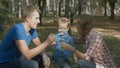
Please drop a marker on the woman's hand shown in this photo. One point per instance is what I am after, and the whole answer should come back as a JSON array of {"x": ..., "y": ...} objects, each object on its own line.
[{"x": 66, "y": 46}]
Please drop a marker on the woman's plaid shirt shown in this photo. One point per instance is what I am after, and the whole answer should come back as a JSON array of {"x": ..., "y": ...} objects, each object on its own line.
[{"x": 97, "y": 51}]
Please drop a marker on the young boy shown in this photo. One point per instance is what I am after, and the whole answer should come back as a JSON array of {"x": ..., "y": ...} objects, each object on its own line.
[{"x": 62, "y": 57}]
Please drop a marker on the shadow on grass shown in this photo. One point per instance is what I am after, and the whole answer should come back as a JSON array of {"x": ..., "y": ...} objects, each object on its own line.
[{"x": 114, "y": 47}]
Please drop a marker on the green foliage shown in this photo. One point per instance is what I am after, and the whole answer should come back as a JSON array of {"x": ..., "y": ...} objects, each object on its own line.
[{"x": 5, "y": 14}]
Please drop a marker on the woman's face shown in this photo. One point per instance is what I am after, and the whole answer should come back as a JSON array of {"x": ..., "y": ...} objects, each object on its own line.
[{"x": 80, "y": 30}]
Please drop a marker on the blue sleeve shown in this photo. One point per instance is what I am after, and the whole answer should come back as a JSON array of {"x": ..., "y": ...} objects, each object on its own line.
[
  {"x": 34, "y": 34},
  {"x": 71, "y": 42},
  {"x": 19, "y": 33}
]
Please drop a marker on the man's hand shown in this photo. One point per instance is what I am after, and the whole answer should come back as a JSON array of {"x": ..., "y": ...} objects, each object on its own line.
[{"x": 50, "y": 38}]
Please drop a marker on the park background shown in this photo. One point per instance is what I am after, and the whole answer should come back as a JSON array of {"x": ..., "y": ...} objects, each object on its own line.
[{"x": 105, "y": 13}]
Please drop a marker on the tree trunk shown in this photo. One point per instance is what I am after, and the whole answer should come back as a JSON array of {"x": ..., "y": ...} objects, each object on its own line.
[
  {"x": 66, "y": 8},
  {"x": 42, "y": 4},
  {"x": 72, "y": 11},
  {"x": 105, "y": 7},
  {"x": 13, "y": 6},
  {"x": 79, "y": 7},
  {"x": 60, "y": 7},
  {"x": 19, "y": 11},
  {"x": 112, "y": 5},
  {"x": 71, "y": 18},
  {"x": 27, "y": 2},
  {"x": 39, "y": 4}
]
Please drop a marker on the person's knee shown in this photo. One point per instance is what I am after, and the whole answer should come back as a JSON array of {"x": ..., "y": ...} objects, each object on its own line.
[
  {"x": 34, "y": 64},
  {"x": 27, "y": 64},
  {"x": 85, "y": 64},
  {"x": 50, "y": 55},
  {"x": 67, "y": 65},
  {"x": 80, "y": 63}
]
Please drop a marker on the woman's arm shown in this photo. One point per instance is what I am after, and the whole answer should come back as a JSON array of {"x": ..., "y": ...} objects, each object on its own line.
[{"x": 74, "y": 50}]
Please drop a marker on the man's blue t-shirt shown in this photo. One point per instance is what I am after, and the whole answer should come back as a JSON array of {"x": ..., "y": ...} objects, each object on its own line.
[
  {"x": 59, "y": 53},
  {"x": 8, "y": 47}
]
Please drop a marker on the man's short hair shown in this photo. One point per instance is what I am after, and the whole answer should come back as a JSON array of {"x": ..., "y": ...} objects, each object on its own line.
[{"x": 27, "y": 11}]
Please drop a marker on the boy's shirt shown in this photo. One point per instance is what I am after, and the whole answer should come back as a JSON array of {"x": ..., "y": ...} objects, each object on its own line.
[{"x": 59, "y": 53}]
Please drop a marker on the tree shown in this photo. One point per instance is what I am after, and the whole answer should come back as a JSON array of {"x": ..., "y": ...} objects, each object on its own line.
[
  {"x": 5, "y": 14},
  {"x": 72, "y": 10},
  {"x": 105, "y": 7},
  {"x": 60, "y": 3},
  {"x": 79, "y": 7},
  {"x": 66, "y": 8},
  {"x": 112, "y": 5},
  {"x": 42, "y": 4}
]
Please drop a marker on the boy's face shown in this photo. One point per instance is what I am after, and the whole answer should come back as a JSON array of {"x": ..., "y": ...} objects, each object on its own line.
[{"x": 63, "y": 27}]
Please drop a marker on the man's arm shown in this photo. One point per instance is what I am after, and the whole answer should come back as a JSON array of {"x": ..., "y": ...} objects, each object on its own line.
[
  {"x": 46, "y": 59},
  {"x": 37, "y": 42},
  {"x": 30, "y": 53}
]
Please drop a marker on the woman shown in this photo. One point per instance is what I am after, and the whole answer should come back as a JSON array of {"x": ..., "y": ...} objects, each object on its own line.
[{"x": 96, "y": 53}]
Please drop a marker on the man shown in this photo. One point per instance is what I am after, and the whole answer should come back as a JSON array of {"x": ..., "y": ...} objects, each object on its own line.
[
  {"x": 14, "y": 50},
  {"x": 96, "y": 53}
]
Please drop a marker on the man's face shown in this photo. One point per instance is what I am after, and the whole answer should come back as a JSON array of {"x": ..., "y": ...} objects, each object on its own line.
[
  {"x": 63, "y": 27},
  {"x": 33, "y": 20}
]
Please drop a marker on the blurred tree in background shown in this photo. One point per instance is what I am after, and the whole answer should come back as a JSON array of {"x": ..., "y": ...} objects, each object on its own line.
[
  {"x": 4, "y": 12},
  {"x": 11, "y": 9}
]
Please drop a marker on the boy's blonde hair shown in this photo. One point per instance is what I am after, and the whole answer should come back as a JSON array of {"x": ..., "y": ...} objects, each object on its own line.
[{"x": 64, "y": 21}]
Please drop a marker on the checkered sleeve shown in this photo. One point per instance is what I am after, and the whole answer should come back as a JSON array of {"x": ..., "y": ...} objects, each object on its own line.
[{"x": 94, "y": 47}]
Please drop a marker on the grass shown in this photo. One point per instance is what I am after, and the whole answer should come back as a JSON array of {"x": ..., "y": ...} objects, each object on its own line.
[{"x": 108, "y": 28}]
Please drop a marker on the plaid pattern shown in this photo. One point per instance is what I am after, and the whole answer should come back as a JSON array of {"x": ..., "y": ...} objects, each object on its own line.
[
  {"x": 96, "y": 50},
  {"x": 76, "y": 39}
]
